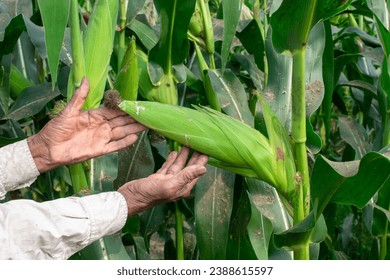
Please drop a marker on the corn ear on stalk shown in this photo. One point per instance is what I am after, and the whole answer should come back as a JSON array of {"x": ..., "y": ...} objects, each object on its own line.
[
  {"x": 127, "y": 80},
  {"x": 196, "y": 26},
  {"x": 78, "y": 66},
  {"x": 282, "y": 147},
  {"x": 98, "y": 46},
  {"x": 232, "y": 144},
  {"x": 165, "y": 91},
  {"x": 211, "y": 96}
]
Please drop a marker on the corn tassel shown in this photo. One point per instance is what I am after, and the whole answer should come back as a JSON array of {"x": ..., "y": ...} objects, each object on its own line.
[
  {"x": 127, "y": 80},
  {"x": 232, "y": 144}
]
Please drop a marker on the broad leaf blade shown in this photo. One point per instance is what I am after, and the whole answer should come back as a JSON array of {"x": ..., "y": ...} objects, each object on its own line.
[
  {"x": 31, "y": 101},
  {"x": 350, "y": 183},
  {"x": 135, "y": 162},
  {"x": 173, "y": 45},
  {"x": 231, "y": 95},
  {"x": 252, "y": 40},
  {"x": 213, "y": 207},
  {"x": 55, "y": 17},
  {"x": 292, "y": 22},
  {"x": 259, "y": 231},
  {"x": 355, "y": 135},
  {"x": 231, "y": 16}
]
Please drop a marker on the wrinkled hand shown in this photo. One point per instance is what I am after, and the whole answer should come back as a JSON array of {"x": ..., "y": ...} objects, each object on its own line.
[
  {"x": 77, "y": 135},
  {"x": 174, "y": 180}
]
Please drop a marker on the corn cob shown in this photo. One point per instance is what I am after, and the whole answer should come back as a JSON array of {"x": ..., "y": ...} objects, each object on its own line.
[
  {"x": 127, "y": 80},
  {"x": 232, "y": 144},
  {"x": 98, "y": 46},
  {"x": 164, "y": 92},
  {"x": 196, "y": 26}
]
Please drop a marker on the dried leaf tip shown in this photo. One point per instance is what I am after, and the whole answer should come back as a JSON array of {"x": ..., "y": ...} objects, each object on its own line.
[{"x": 112, "y": 99}]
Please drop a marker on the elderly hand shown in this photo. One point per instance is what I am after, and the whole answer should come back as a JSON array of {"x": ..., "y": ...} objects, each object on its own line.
[
  {"x": 77, "y": 135},
  {"x": 173, "y": 181}
]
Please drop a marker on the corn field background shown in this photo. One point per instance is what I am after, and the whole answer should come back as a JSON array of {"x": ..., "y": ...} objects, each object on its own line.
[{"x": 291, "y": 100}]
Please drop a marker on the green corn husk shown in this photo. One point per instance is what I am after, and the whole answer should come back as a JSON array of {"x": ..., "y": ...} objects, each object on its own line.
[
  {"x": 165, "y": 92},
  {"x": 231, "y": 144},
  {"x": 127, "y": 80},
  {"x": 196, "y": 26},
  {"x": 98, "y": 46}
]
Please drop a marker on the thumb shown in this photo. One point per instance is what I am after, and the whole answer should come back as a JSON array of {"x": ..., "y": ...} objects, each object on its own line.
[{"x": 77, "y": 101}]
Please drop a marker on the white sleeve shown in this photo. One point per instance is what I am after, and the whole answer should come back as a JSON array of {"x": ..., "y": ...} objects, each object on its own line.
[
  {"x": 17, "y": 167},
  {"x": 58, "y": 229}
]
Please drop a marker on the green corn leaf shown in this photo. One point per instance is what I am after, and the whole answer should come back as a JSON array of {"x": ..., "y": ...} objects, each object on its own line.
[
  {"x": 350, "y": 183},
  {"x": 213, "y": 207},
  {"x": 231, "y": 16},
  {"x": 292, "y": 22},
  {"x": 173, "y": 45},
  {"x": 55, "y": 17}
]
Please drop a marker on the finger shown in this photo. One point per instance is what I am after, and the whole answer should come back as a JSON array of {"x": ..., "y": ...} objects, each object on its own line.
[
  {"x": 189, "y": 176},
  {"x": 121, "y": 121},
  {"x": 121, "y": 132},
  {"x": 121, "y": 144},
  {"x": 77, "y": 101},
  {"x": 180, "y": 161},
  {"x": 109, "y": 113},
  {"x": 170, "y": 160},
  {"x": 198, "y": 159}
]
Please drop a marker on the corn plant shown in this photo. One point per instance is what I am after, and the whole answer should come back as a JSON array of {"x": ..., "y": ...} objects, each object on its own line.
[{"x": 290, "y": 99}]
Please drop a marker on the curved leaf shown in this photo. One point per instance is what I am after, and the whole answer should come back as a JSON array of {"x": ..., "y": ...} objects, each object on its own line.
[
  {"x": 31, "y": 101},
  {"x": 350, "y": 183},
  {"x": 292, "y": 22},
  {"x": 310, "y": 230}
]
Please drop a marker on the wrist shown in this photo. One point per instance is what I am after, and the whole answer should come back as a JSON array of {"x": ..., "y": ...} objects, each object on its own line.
[
  {"x": 40, "y": 153},
  {"x": 134, "y": 205}
]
